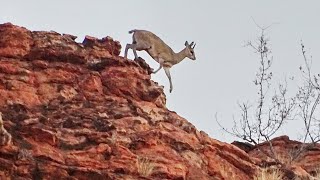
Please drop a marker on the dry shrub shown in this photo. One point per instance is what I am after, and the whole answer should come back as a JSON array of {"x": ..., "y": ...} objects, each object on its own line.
[
  {"x": 270, "y": 174},
  {"x": 145, "y": 166}
]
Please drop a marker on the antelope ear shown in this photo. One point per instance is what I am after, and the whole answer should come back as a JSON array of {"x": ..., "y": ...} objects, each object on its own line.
[{"x": 186, "y": 43}]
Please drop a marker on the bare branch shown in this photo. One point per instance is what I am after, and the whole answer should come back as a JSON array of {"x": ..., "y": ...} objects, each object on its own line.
[{"x": 269, "y": 116}]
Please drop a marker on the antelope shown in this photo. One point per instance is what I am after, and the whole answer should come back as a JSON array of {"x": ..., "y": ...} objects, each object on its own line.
[{"x": 143, "y": 40}]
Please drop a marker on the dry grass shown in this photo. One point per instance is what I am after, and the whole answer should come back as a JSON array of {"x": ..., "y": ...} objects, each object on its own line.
[
  {"x": 285, "y": 159},
  {"x": 317, "y": 175},
  {"x": 145, "y": 166},
  {"x": 269, "y": 174}
]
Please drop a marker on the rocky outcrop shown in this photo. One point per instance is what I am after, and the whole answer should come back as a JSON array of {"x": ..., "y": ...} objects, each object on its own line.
[
  {"x": 80, "y": 111},
  {"x": 298, "y": 159}
]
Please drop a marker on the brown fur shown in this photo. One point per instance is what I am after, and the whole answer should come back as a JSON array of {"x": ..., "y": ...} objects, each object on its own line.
[{"x": 143, "y": 40}]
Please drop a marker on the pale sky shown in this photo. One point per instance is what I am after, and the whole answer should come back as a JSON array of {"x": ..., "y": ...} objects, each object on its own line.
[{"x": 224, "y": 70}]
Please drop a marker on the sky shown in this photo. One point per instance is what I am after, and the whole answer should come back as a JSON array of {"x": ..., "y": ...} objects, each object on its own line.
[{"x": 225, "y": 68}]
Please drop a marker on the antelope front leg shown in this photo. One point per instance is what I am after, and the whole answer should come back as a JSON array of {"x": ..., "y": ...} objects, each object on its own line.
[{"x": 166, "y": 69}]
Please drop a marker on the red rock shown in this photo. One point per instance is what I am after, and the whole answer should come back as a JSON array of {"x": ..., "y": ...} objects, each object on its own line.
[
  {"x": 80, "y": 111},
  {"x": 92, "y": 83},
  {"x": 15, "y": 41},
  {"x": 99, "y": 46}
]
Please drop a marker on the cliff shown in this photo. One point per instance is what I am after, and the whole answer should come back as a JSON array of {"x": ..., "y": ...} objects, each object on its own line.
[{"x": 80, "y": 111}]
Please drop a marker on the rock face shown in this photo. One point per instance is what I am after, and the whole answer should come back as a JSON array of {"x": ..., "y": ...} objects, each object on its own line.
[{"x": 80, "y": 111}]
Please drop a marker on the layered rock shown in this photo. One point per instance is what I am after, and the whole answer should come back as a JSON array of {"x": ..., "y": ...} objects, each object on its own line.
[{"x": 80, "y": 111}]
